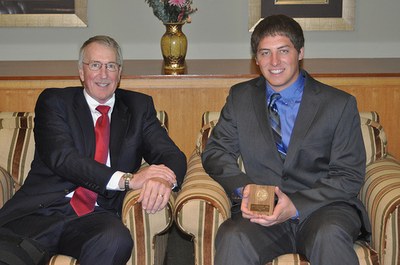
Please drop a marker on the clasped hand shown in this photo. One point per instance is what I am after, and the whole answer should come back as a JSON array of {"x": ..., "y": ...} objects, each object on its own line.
[
  {"x": 155, "y": 182},
  {"x": 284, "y": 209}
]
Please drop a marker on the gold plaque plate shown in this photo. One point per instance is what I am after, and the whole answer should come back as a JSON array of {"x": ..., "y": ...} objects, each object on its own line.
[{"x": 261, "y": 199}]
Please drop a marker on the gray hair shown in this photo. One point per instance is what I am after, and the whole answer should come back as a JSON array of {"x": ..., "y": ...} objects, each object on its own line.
[{"x": 103, "y": 40}]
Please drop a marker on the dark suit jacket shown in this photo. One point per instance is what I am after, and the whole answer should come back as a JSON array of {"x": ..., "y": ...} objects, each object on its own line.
[
  {"x": 65, "y": 146},
  {"x": 325, "y": 160}
]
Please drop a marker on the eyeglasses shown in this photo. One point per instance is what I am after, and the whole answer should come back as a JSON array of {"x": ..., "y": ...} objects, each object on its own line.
[{"x": 96, "y": 66}]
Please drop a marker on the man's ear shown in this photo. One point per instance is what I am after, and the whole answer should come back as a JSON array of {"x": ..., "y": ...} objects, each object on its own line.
[
  {"x": 255, "y": 59},
  {"x": 81, "y": 75},
  {"x": 301, "y": 54}
]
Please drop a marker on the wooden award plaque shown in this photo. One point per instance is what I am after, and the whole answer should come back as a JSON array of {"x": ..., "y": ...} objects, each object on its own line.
[{"x": 261, "y": 199}]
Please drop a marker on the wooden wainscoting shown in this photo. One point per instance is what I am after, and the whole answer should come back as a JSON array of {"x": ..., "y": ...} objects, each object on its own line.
[{"x": 205, "y": 87}]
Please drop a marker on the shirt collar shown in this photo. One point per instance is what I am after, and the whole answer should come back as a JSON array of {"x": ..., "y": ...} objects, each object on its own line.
[
  {"x": 93, "y": 103},
  {"x": 291, "y": 94}
]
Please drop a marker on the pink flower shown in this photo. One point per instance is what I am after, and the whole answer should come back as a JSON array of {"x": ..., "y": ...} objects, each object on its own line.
[
  {"x": 179, "y": 3},
  {"x": 180, "y": 16}
]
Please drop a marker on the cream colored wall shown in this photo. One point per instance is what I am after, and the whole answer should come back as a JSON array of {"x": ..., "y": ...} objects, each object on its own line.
[{"x": 218, "y": 31}]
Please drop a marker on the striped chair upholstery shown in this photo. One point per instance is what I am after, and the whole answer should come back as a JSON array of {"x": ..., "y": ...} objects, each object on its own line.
[
  {"x": 17, "y": 151},
  {"x": 202, "y": 204}
]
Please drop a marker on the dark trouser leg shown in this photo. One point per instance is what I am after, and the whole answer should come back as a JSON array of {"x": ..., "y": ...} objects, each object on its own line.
[
  {"x": 45, "y": 226},
  {"x": 241, "y": 242},
  {"x": 97, "y": 238},
  {"x": 327, "y": 236}
]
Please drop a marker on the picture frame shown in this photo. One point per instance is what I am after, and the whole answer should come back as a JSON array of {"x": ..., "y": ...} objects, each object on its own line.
[
  {"x": 345, "y": 21},
  {"x": 76, "y": 19}
]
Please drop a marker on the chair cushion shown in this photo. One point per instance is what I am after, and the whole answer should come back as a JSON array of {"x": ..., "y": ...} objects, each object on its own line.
[
  {"x": 381, "y": 197},
  {"x": 200, "y": 208},
  {"x": 16, "y": 144},
  {"x": 148, "y": 231},
  {"x": 209, "y": 120},
  {"x": 163, "y": 118},
  {"x": 289, "y": 259},
  {"x": 6, "y": 186},
  {"x": 375, "y": 140},
  {"x": 63, "y": 260}
]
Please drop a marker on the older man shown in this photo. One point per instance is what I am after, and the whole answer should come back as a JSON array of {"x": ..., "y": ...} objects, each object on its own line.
[{"x": 90, "y": 142}]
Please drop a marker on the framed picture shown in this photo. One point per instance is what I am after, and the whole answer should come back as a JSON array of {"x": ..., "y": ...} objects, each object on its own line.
[
  {"x": 42, "y": 13},
  {"x": 311, "y": 14}
]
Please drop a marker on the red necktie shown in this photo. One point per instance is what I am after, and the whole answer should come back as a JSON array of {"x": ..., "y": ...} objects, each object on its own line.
[{"x": 83, "y": 200}]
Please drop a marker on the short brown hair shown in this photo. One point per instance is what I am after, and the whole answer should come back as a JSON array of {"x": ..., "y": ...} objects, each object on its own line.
[{"x": 280, "y": 25}]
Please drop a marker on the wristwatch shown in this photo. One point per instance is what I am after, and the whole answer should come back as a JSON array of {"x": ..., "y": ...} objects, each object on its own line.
[{"x": 127, "y": 178}]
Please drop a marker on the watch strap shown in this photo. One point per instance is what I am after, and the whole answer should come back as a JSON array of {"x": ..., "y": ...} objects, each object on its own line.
[{"x": 127, "y": 179}]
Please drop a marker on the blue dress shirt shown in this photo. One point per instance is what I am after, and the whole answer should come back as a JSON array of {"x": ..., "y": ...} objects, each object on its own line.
[{"x": 288, "y": 106}]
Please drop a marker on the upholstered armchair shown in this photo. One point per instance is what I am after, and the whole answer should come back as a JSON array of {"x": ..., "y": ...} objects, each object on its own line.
[
  {"x": 17, "y": 150},
  {"x": 202, "y": 204}
]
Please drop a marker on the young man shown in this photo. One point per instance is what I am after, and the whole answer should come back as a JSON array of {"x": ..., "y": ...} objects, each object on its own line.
[
  {"x": 312, "y": 151},
  {"x": 90, "y": 142}
]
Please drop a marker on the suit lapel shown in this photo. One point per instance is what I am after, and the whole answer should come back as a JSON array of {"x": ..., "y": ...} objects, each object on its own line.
[
  {"x": 85, "y": 121},
  {"x": 119, "y": 125},
  {"x": 259, "y": 98},
  {"x": 259, "y": 103},
  {"x": 309, "y": 106}
]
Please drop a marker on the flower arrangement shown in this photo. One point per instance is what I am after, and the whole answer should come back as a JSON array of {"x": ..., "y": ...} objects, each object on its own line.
[{"x": 172, "y": 11}]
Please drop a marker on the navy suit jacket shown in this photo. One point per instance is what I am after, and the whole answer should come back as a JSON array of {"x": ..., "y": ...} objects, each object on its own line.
[
  {"x": 325, "y": 161},
  {"x": 65, "y": 146}
]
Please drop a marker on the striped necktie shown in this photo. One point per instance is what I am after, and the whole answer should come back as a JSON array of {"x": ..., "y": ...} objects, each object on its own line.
[{"x": 276, "y": 124}]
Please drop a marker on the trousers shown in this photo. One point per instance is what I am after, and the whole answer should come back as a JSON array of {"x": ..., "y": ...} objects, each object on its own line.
[
  {"x": 98, "y": 236},
  {"x": 326, "y": 237}
]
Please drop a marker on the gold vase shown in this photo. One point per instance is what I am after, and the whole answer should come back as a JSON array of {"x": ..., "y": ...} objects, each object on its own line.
[{"x": 173, "y": 48}]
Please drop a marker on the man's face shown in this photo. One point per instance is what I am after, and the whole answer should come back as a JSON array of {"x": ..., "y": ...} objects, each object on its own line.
[
  {"x": 278, "y": 61},
  {"x": 100, "y": 84}
]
